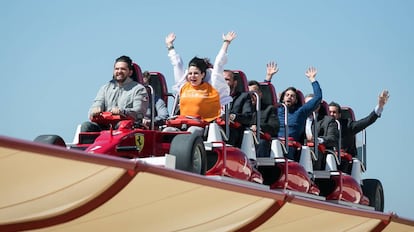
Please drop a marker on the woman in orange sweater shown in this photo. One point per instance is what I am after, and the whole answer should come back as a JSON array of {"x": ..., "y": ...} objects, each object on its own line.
[{"x": 202, "y": 89}]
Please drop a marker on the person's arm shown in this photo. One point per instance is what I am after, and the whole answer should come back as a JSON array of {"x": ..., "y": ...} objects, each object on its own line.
[
  {"x": 176, "y": 61},
  {"x": 243, "y": 109},
  {"x": 162, "y": 111},
  {"x": 271, "y": 69},
  {"x": 312, "y": 104},
  {"x": 271, "y": 124},
  {"x": 217, "y": 80},
  {"x": 382, "y": 100},
  {"x": 359, "y": 125},
  {"x": 331, "y": 135},
  {"x": 98, "y": 105},
  {"x": 139, "y": 105}
]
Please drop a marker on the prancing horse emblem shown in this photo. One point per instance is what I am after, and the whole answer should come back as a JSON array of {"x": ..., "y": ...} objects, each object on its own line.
[{"x": 139, "y": 141}]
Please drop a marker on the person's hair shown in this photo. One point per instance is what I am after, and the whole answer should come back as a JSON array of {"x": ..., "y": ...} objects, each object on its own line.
[
  {"x": 336, "y": 105},
  {"x": 125, "y": 59},
  {"x": 253, "y": 82},
  {"x": 146, "y": 74},
  {"x": 283, "y": 94},
  {"x": 202, "y": 64},
  {"x": 231, "y": 74},
  {"x": 309, "y": 95}
]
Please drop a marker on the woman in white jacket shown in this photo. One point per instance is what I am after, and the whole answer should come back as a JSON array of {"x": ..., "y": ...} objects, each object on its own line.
[{"x": 202, "y": 89}]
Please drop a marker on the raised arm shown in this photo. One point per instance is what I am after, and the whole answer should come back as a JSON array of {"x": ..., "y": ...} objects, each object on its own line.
[
  {"x": 383, "y": 98},
  {"x": 227, "y": 38},
  {"x": 271, "y": 69},
  {"x": 312, "y": 104},
  {"x": 311, "y": 74},
  {"x": 176, "y": 61},
  {"x": 359, "y": 125},
  {"x": 221, "y": 58},
  {"x": 217, "y": 79}
]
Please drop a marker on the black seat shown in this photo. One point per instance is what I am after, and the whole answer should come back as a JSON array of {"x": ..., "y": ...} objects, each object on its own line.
[{"x": 269, "y": 93}]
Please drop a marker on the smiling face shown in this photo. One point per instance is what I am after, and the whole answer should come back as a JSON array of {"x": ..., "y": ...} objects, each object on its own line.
[
  {"x": 121, "y": 71},
  {"x": 194, "y": 76},
  {"x": 333, "y": 111},
  {"x": 256, "y": 89}
]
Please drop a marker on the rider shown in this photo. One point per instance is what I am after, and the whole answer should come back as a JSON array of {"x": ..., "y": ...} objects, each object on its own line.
[
  {"x": 120, "y": 96},
  {"x": 296, "y": 115},
  {"x": 202, "y": 88}
]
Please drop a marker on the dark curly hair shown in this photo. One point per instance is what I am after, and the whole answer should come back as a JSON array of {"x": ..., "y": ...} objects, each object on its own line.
[
  {"x": 202, "y": 64},
  {"x": 125, "y": 59}
]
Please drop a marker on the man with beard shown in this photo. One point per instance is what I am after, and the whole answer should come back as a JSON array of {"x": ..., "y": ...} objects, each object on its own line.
[
  {"x": 296, "y": 115},
  {"x": 121, "y": 96}
]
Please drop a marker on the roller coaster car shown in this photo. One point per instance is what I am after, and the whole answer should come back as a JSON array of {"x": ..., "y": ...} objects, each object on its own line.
[
  {"x": 278, "y": 171},
  {"x": 341, "y": 187},
  {"x": 338, "y": 184},
  {"x": 128, "y": 139},
  {"x": 332, "y": 183}
]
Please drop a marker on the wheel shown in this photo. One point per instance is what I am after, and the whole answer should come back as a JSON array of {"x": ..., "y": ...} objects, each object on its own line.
[
  {"x": 372, "y": 189},
  {"x": 190, "y": 153},
  {"x": 50, "y": 139}
]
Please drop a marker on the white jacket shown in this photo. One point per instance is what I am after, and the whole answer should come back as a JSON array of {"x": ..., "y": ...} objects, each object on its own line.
[{"x": 214, "y": 75}]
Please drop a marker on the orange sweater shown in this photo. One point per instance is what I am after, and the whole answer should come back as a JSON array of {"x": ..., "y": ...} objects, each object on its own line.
[{"x": 202, "y": 100}]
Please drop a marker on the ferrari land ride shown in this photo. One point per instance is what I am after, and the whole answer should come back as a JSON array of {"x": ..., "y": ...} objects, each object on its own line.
[
  {"x": 126, "y": 177},
  {"x": 208, "y": 154}
]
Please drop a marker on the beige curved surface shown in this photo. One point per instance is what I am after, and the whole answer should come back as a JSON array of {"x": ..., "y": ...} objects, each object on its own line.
[
  {"x": 43, "y": 183},
  {"x": 36, "y": 186}
]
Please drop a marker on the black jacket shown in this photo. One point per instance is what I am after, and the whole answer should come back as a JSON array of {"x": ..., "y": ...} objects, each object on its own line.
[
  {"x": 269, "y": 121},
  {"x": 350, "y": 128},
  {"x": 242, "y": 108},
  {"x": 328, "y": 131}
]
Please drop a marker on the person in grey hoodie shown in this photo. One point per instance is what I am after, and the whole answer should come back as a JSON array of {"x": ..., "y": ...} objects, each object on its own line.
[{"x": 120, "y": 96}]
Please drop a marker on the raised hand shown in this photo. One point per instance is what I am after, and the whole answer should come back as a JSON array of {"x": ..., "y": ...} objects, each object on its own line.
[
  {"x": 311, "y": 73},
  {"x": 169, "y": 40},
  {"x": 271, "y": 69},
  {"x": 383, "y": 98},
  {"x": 230, "y": 36}
]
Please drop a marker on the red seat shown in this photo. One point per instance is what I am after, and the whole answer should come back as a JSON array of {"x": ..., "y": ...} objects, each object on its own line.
[
  {"x": 347, "y": 112},
  {"x": 136, "y": 73},
  {"x": 159, "y": 85}
]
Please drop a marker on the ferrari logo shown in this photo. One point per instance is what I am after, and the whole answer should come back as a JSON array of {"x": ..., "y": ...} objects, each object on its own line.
[{"x": 139, "y": 141}]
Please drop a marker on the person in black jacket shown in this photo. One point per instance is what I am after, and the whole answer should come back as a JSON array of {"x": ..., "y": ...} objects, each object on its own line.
[
  {"x": 269, "y": 122},
  {"x": 241, "y": 110},
  {"x": 327, "y": 133},
  {"x": 350, "y": 128}
]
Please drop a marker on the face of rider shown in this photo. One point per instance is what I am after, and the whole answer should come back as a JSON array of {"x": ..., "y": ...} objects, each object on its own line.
[
  {"x": 194, "y": 76},
  {"x": 333, "y": 111},
  {"x": 121, "y": 71},
  {"x": 256, "y": 89},
  {"x": 290, "y": 98}
]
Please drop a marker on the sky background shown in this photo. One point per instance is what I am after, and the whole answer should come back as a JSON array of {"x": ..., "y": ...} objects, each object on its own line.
[{"x": 54, "y": 56}]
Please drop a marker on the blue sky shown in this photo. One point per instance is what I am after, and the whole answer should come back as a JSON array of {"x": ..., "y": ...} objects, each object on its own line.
[{"x": 54, "y": 55}]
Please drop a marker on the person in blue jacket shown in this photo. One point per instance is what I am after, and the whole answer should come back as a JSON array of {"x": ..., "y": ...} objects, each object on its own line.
[{"x": 297, "y": 114}]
